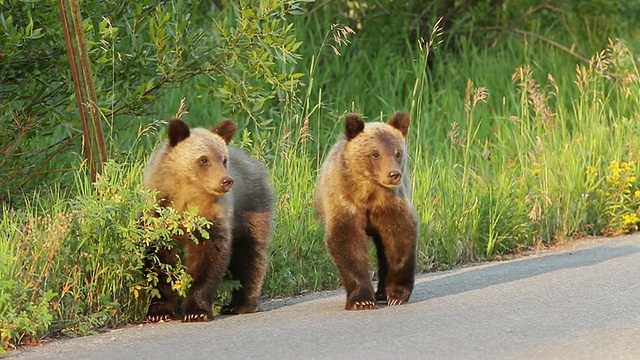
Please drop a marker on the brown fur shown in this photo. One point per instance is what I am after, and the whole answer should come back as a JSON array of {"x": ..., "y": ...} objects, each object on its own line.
[
  {"x": 196, "y": 168},
  {"x": 362, "y": 193}
]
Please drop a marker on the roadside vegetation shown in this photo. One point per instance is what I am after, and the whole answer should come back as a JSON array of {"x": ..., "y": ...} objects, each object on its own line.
[{"x": 525, "y": 132}]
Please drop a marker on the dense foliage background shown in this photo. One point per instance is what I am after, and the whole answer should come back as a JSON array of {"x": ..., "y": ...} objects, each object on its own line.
[{"x": 524, "y": 131}]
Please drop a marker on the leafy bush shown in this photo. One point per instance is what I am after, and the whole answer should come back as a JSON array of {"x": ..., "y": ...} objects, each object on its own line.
[
  {"x": 138, "y": 49},
  {"x": 74, "y": 269}
]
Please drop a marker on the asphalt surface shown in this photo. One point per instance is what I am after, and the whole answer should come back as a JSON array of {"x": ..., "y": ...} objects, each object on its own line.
[{"x": 580, "y": 301}]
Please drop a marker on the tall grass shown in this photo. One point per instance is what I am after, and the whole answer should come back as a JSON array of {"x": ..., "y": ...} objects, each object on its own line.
[{"x": 512, "y": 146}]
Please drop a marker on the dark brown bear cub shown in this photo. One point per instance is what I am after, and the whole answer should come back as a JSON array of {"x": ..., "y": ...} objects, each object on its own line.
[
  {"x": 362, "y": 193},
  {"x": 197, "y": 168}
]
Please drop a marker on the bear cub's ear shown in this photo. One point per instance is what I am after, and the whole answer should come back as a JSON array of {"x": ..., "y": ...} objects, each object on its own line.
[
  {"x": 400, "y": 121},
  {"x": 178, "y": 131},
  {"x": 225, "y": 129},
  {"x": 352, "y": 126}
]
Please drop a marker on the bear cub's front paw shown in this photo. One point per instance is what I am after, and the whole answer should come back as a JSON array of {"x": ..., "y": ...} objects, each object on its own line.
[
  {"x": 161, "y": 317},
  {"x": 197, "y": 316},
  {"x": 398, "y": 295},
  {"x": 160, "y": 312},
  {"x": 361, "y": 302}
]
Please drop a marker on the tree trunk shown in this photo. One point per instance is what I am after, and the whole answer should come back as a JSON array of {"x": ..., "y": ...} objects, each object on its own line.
[{"x": 93, "y": 136}]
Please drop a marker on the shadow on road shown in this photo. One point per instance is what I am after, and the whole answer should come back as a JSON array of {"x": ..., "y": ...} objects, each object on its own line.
[
  {"x": 436, "y": 285},
  {"x": 474, "y": 278}
]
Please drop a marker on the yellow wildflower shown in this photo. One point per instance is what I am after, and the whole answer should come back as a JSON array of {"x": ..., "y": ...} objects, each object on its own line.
[
  {"x": 630, "y": 219},
  {"x": 175, "y": 286},
  {"x": 535, "y": 169}
]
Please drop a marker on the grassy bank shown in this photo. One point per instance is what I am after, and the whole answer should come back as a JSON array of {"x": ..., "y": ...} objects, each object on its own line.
[{"x": 511, "y": 146}]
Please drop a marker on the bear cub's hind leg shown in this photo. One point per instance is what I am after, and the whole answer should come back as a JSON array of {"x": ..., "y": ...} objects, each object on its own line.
[{"x": 248, "y": 265}]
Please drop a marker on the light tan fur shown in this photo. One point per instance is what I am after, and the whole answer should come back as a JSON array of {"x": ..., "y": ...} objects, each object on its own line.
[
  {"x": 172, "y": 171},
  {"x": 196, "y": 168},
  {"x": 345, "y": 181}
]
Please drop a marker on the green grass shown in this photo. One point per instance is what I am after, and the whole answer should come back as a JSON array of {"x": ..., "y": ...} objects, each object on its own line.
[{"x": 511, "y": 146}]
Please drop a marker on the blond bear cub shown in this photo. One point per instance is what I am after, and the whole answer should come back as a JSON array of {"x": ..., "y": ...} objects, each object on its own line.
[
  {"x": 362, "y": 192},
  {"x": 197, "y": 168}
]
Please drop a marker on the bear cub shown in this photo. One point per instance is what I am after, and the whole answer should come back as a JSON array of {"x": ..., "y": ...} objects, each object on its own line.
[
  {"x": 362, "y": 192},
  {"x": 197, "y": 168}
]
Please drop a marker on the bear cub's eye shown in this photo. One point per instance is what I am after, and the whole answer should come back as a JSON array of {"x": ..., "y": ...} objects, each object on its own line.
[
  {"x": 204, "y": 160},
  {"x": 224, "y": 162},
  {"x": 398, "y": 154},
  {"x": 375, "y": 154}
]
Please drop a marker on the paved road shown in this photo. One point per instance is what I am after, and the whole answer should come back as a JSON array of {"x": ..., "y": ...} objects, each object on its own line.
[{"x": 577, "y": 302}]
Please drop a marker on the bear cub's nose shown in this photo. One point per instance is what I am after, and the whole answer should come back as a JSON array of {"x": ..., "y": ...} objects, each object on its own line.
[
  {"x": 394, "y": 177},
  {"x": 226, "y": 183}
]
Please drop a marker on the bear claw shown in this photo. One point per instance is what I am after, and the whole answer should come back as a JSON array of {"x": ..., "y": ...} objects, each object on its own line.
[
  {"x": 197, "y": 317},
  {"x": 398, "y": 295},
  {"x": 160, "y": 317},
  {"x": 363, "y": 305},
  {"x": 392, "y": 302}
]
